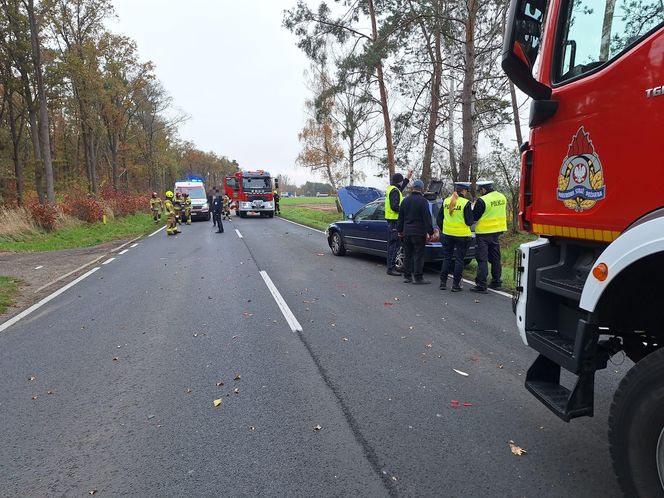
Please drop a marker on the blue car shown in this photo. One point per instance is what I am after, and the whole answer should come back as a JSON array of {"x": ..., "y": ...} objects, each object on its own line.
[{"x": 365, "y": 230}]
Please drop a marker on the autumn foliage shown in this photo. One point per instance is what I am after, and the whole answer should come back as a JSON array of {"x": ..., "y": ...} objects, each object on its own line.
[{"x": 44, "y": 215}]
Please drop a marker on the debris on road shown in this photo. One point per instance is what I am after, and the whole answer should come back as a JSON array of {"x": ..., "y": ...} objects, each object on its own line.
[
  {"x": 454, "y": 403},
  {"x": 92, "y": 492},
  {"x": 216, "y": 403},
  {"x": 317, "y": 428},
  {"x": 428, "y": 346},
  {"x": 32, "y": 377},
  {"x": 237, "y": 377},
  {"x": 188, "y": 391},
  {"x": 236, "y": 391},
  {"x": 516, "y": 450},
  {"x": 387, "y": 304},
  {"x": 115, "y": 358},
  {"x": 345, "y": 339},
  {"x": 35, "y": 397},
  {"x": 460, "y": 372},
  {"x": 220, "y": 383}
]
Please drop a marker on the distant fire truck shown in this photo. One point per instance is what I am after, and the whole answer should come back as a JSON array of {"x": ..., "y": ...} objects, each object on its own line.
[{"x": 251, "y": 192}]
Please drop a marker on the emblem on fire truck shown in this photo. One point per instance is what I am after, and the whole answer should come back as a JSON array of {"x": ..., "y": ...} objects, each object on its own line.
[{"x": 581, "y": 179}]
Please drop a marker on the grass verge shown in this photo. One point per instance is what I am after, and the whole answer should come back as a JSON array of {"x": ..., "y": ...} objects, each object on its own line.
[
  {"x": 8, "y": 290},
  {"x": 85, "y": 235},
  {"x": 509, "y": 243},
  {"x": 295, "y": 209}
]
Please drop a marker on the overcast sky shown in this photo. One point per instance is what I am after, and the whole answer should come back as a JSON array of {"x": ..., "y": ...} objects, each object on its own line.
[{"x": 232, "y": 67}]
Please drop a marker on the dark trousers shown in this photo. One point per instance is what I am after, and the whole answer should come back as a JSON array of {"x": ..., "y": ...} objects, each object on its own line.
[
  {"x": 454, "y": 254},
  {"x": 413, "y": 248},
  {"x": 277, "y": 210},
  {"x": 393, "y": 243},
  {"x": 487, "y": 250},
  {"x": 217, "y": 219}
]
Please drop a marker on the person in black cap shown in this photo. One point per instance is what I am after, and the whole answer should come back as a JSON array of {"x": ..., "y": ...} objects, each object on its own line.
[
  {"x": 457, "y": 217},
  {"x": 393, "y": 199},
  {"x": 490, "y": 214},
  {"x": 217, "y": 208},
  {"x": 414, "y": 226}
]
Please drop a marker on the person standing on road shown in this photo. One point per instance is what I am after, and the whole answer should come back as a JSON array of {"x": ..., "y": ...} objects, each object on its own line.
[
  {"x": 217, "y": 208},
  {"x": 186, "y": 202},
  {"x": 415, "y": 227},
  {"x": 171, "y": 227},
  {"x": 227, "y": 208},
  {"x": 156, "y": 207},
  {"x": 457, "y": 219},
  {"x": 177, "y": 207},
  {"x": 393, "y": 199},
  {"x": 277, "y": 198},
  {"x": 490, "y": 213},
  {"x": 210, "y": 198}
]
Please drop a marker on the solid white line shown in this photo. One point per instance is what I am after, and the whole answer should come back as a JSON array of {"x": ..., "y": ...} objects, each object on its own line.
[
  {"x": 108, "y": 261},
  {"x": 133, "y": 245},
  {"x": 301, "y": 225},
  {"x": 126, "y": 243},
  {"x": 123, "y": 252},
  {"x": 157, "y": 231},
  {"x": 501, "y": 293},
  {"x": 70, "y": 273},
  {"x": 285, "y": 310},
  {"x": 41, "y": 303},
  {"x": 238, "y": 233}
]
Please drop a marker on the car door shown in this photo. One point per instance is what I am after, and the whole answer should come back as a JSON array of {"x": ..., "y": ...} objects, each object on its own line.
[
  {"x": 377, "y": 233},
  {"x": 357, "y": 233}
]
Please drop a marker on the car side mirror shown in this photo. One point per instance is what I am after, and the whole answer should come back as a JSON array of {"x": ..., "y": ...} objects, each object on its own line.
[{"x": 350, "y": 216}]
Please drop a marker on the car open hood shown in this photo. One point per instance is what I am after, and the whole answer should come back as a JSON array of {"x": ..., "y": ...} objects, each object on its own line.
[{"x": 353, "y": 198}]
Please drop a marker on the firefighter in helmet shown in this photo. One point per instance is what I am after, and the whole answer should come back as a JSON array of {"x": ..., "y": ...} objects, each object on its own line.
[
  {"x": 277, "y": 198},
  {"x": 156, "y": 207},
  {"x": 171, "y": 227},
  {"x": 186, "y": 202},
  {"x": 227, "y": 208},
  {"x": 177, "y": 206}
]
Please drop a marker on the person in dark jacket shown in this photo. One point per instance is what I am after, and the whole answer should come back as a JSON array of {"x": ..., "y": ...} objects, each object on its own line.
[
  {"x": 210, "y": 198},
  {"x": 415, "y": 227},
  {"x": 393, "y": 199},
  {"x": 457, "y": 214},
  {"x": 217, "y": 208}
]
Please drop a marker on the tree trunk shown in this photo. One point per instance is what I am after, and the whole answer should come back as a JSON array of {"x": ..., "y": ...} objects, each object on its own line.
[
  {"x": 44, "y": 137},
  {"x": 436, "y": 81},
  {"x": 517, "y": 118},
  {"x": 451, "y": 111},
  {"x": 467, "y": 96},
  {"x": 16, "y": 149},
  {"x": 383, "y": 95},
  {"x": 605, "y": 45},
  {"x": 351, "y": 160},
  {"x": 114, "y": 160}
]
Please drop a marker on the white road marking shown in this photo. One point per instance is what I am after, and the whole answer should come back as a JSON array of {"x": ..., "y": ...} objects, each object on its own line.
[
  {"x": 41, "y": 303},
  {"x": 133, "y": 245},
  {"x": 157, "y": 231},
  {"x": 126, "y": 243},
  {"x": 238, "y": 233},
  {"x": 39, "y": 267},
  {"x": 70, "y": 273},
  {"x": 285, "y": 310},
  {"x": 108, "y": 261},
  {"x": 303, "y": 226},
  {"x": 123, "y": 252}
]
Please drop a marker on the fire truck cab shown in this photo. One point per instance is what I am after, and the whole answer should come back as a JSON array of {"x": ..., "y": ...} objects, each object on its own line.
[
  {"x": 251, "y": 192},
  {"x": 592, "y": 189}
]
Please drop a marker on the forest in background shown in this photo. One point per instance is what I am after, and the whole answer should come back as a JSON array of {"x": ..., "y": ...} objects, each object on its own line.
[{"x": 81, "y": 113}]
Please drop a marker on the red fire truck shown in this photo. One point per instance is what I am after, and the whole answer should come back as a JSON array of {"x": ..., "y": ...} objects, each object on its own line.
[
  {"x": 251, "y": 192},
  {"x": 592, "y": 187}
]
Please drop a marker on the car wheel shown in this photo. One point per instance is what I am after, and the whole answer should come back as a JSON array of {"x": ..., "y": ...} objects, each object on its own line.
[
  {"x": 636, "y": 428},
  {"x": 207, "y": 218},
  {"x": 400, "y": 260},
  {"x": 337, "y": 244},
  {"x": 271, "y": 214}
]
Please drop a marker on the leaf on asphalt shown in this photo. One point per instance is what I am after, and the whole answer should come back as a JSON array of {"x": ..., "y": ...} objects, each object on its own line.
[
  {"x": 220, "y": 383},
  {"x": 460, "y": 372},
  {"x": 49, "y": 392},
  {"x": 454, "y": 403},
  {"x": 387, "y": 304},
  {"x": 345, "y": 339},
  {"x": 234, "y": 337},
  {"x": 246, "y": 313},
  {"x": 92, "y": 492},
  {"x": 477, "y": 301},
  {"x": 396, "y": 298},
  {"x": 216, "y": 402},
  {"x": 320, "y": 254},
  {"x": 429, "y": 346},
  {"x": 411, "y": 327},
  {"x": 252, "y": 428},
  {"x": 236, "y": 391},
  {"x": 394, "y": 478},
  {"x": 35, "y": 397},
  {"x": 32, "y": 377},
  {"x": 317, "y": 428},
  {"x": 115, "y": 358},
  {"x": 501, "y": 366},
  {"x": 517, "y": 450},
  {"x": 237, "y": 377},
  {"x": 333, "y": 324},
  {"x": 467, "y": 403},
  {"x": 188, "y": 391}
]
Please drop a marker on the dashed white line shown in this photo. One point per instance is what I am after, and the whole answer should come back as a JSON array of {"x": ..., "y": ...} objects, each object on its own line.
[
  {"x": 285, "y": 310},
  {"x": 41, "y": 303},
  {"x": 123, "y": 252},
  {"x": 126, "y": 243},
  {"x": 133, "y": 245},
  {"x": 238, "y": 233},
  {"x": 108, "y": 261},
  {"x": 157, "y": 231}
]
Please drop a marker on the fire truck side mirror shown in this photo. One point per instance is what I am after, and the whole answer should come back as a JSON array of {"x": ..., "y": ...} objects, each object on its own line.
[
  {"x": 276, "y": 183},
  {"x": 522, "y": 44}
]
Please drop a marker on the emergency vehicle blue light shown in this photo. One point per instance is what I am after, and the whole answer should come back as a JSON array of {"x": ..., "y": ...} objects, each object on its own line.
[{"x": 192, "y": 178}]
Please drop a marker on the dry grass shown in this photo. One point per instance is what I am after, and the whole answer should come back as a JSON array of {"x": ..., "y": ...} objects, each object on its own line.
[{"x": 17, "y": 225}]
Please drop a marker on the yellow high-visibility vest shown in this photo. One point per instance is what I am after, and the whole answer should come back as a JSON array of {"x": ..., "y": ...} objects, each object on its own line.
[
  {"x": 454, "y": 224},
  {"x": 494, "y": 218},
  {"x": 389, "y": 213}
]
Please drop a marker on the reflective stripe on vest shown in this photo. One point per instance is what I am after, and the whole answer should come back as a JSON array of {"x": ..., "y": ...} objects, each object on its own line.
[
  {"x": 454, "y": 224},
  {"x": 389, "y": 213},
  {"x": 494, "y": 218}
]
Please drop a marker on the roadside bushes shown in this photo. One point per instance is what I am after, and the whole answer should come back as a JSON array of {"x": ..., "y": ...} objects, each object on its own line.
[
  {"x": 85, "y": 209},
  {"x": 44, "y": 215},
  {"x": 123, "y": 204}
]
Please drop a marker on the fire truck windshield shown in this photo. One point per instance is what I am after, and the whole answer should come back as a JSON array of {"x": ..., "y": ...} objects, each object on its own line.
[{"x": 259, "y": 183}]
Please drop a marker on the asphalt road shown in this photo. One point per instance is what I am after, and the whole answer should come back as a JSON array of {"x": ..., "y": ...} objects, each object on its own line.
[{"x": 132, "y": 356}]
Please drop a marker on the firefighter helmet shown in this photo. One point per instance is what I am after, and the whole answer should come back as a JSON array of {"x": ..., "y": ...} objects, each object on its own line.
[{"x": 169, "y": 194}]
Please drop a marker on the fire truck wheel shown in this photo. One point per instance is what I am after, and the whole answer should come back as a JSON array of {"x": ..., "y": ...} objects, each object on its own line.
[{"x": 636, "y": 428}]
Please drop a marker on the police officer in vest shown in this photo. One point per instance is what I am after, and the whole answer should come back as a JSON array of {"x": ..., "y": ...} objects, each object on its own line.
[
  {"x": 393, "y": 199},
  {"x": 457, "y": 218},
  {"x": 490, "y": 213}
]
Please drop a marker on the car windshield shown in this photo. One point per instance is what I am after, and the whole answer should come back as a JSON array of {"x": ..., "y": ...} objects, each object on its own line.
[
  {"x": 194, "y": 192},
  {"x": 260, "y": 183}
]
